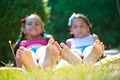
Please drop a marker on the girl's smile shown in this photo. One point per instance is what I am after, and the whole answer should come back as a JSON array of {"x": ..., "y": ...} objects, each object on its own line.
[
  {"x": 79, "y": 28},
  {"x": 33, "y": 28}
]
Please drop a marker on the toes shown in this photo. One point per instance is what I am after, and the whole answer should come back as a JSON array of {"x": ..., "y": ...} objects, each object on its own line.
[
  {"x": 22, "y": 48},
  {"x": 103, "y": 47},
  {"x": 51, "y": 41},
  {"x": 19, "y": 51},
  {"x": 97, "y": 41},
  {"x": 100, "y": 45},
  {"x": 53, "y": 47},
  {"x": 62, "y": 45},
  {"x": 65, "y": 47},
  {"x": 58, "y": 46}
]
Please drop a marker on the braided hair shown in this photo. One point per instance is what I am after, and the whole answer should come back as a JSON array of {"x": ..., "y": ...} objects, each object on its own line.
[{"x": 22, "y": 34}]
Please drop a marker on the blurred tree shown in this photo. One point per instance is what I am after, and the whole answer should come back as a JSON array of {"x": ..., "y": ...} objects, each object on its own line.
[
  {"x": 103, "y": 15},
  {"x": 11, "y": 12}
]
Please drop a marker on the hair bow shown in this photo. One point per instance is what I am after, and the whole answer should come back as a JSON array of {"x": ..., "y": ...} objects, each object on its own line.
[
  {"x": 23, "y": 19},
  {"x": 70, "y": 19}
]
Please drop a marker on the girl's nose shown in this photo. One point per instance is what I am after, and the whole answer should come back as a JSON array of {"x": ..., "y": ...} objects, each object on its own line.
[
  {"x": 79, "y": 28},
  {"x": 33, "y": 25}
]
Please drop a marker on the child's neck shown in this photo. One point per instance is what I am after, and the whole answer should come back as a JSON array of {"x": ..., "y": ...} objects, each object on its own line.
[
  {"x": 33, "y": 38},
  {"x": 82, "y": 36}
]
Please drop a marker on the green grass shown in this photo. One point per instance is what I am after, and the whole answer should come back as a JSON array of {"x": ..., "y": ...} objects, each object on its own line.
[{"x": 110, "y": 71}]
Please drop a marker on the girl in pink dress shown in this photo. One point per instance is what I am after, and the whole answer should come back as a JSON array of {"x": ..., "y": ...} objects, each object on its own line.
[{"x": 33, "y": 48}]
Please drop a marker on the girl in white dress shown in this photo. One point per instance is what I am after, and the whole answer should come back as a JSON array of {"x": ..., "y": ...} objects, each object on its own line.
[{"x": 84, "y": 46}]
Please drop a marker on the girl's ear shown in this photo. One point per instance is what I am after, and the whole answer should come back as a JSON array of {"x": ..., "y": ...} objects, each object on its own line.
[
  {"x": 43, "y": 30},
  {"x": 88, "y": 28},
  {"x": 71, "y": 31}
]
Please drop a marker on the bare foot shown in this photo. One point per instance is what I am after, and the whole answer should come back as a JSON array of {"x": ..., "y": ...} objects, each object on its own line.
[
  {"x": 52, "y": 52},
  {"x": 27, "y": 59},
  {"x": 18, "y": 56},
  {"x": 68, "y": 55},
  {"x": 95, "y": 53}
]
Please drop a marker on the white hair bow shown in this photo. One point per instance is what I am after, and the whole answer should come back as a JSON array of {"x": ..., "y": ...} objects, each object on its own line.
[{"x": 70, "y": 19}]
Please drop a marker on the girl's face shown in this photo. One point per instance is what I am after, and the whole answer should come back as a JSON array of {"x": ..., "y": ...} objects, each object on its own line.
[
  {"x": 79, "y": 28},
  {"x": 33, "y": 28}
]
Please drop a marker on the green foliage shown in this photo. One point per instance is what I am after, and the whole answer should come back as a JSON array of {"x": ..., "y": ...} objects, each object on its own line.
[
  {"x": 11, "y": 12},
  {"x": 103, "y": 15},
  {"x": 80, "y": 72}
]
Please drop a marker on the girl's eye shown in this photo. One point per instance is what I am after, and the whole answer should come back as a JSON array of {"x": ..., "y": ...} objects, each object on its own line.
[
  {"x": 36, "y": 24},
  {"x": 29, "y": 24},
  {"x": 81, "y": 26},
  {"x": 75, "y": 27}
]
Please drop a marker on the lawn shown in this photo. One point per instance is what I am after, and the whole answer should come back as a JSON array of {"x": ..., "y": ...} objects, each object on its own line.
[{"x": 109, "y": 71}]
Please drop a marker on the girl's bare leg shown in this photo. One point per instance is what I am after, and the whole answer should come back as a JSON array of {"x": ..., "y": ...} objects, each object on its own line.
[
  {"x": 25, "y": 57},
  {"x": 93, "y": 54},
  {"x": 50, "y": 55},
  {"x": 70, "y": 56},
  {"x": 18, "y": 55}
]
